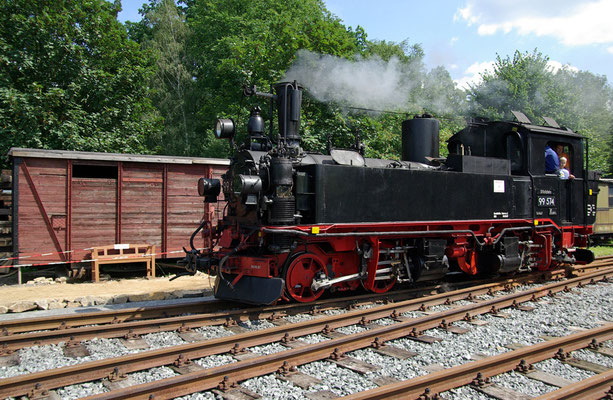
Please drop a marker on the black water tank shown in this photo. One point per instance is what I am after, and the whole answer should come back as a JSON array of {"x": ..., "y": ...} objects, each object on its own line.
[{"x": 420, "y": 137}]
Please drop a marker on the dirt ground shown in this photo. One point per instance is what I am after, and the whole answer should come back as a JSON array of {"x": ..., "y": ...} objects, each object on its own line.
[{"x": 67, "y": 292}]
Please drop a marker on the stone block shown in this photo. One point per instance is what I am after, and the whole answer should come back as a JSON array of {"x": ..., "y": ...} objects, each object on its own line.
[
  {"x": 119, "y": 299},
  {"x": 56, "y": 304},
  {"x": 22, "y": 306},
  {"x": 42, "y": 304}
]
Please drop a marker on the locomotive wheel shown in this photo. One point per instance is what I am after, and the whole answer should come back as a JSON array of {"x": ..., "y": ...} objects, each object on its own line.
[
  {"x": 299, "y": 276},
  {"x": 382, "y": 286}
]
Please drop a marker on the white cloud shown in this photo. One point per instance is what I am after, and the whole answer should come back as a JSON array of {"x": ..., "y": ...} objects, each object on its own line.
[
  {"x": 573, "y": 23},
  {"x": 610, "y": 49},
  {"x": 472, "y": 75},
  {"x": 555, "y": 66},
  {"x": 453, "y": 40}
]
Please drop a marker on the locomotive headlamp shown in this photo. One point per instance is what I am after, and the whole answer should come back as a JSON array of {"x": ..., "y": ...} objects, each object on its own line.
[
  {"x": 210, "y": 188},
  {"x": 224, "y": 128}
]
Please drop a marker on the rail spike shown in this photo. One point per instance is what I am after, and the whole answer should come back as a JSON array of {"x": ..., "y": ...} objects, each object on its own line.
[
  {"x": 226, "y": 384},
  {"x": 5, "y": 351},
  {"x": 286, "y": 369},
  {"x": 237, "y": 349},
  {"x": 116, "y": 375},
  {"x": 480, "y": 381},
  {"x": 131, "y": 335},
  {"x": 427, "y": 395},
  {"x": 72, "y": 342},
  {"x": 287, "y": 338},
  {"x": 38, "y": 391},
  {"x": 378, "y": 343},
  {"x": 182, "y": 361},
  {"x": 337, "y": 354},
  {"x": 524, "y": 367},
  {"x": 327, "y": 329},
  {"x": 561, "y": 355},
  {"x": 594, "y": 345}
]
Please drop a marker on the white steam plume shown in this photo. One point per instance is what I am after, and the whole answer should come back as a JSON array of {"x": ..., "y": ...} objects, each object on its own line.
[{"x": 366, "y": 83}]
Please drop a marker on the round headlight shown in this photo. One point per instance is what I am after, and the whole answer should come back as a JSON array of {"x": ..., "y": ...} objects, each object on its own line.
[{"x": 224, "y": 128}]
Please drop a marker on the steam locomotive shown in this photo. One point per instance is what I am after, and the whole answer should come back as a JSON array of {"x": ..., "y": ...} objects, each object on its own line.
[{"x": 299, "y": 223}]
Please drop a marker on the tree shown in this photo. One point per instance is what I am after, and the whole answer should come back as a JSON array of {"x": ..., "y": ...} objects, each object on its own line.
[
  {"x": 164, "y": 32},
  {"x": 239, "y": 42},
  {"x": 71, "y": 78},
  {"x": 520, "y": 83},
  {"x": 577, "y": 99}
]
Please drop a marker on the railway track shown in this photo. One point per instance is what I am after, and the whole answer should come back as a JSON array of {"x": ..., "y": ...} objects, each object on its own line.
[
  {"x": 478, "y": 372},
  {"x": 228, "y": 309},
  {"x": 226, "y": 376},
  {"x": 186, "y": 323},
  {"x": 217, "y": 307}
]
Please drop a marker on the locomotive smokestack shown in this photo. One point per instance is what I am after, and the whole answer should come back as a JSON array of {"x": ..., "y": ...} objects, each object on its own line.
[
  {"x": 420, "y": 137},
  {"x": 289, "y": 102}
]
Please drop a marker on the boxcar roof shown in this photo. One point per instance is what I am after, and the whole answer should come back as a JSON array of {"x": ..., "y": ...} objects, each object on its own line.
[{"x": 93, "y": 156}]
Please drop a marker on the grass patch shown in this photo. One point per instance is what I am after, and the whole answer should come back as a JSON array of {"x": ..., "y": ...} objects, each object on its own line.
[{"x": 600, "y": 251}]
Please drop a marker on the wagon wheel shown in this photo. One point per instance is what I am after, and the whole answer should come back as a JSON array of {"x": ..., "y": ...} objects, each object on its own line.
[{"x": 299, "y": 276}]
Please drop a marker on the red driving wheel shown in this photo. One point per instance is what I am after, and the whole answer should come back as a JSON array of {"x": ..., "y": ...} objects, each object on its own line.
[{"x": 299, "y": 276}]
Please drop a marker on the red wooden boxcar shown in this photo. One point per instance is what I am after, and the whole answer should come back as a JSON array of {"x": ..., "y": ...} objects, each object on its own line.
[{"x": 65, "y": 202}]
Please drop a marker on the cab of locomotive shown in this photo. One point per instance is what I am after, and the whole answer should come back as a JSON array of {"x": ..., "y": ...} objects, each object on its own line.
[{"x": 520, "y": 146}]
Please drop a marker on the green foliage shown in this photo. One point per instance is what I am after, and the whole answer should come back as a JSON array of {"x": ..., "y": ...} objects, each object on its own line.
[
  {"x": 577, "y": 99},
  {"x": 71, "y": 79},
  {"x": 164, "y": 33},
  {"x": 519, "y": 83},
  {"x": 241, "y": 42}
]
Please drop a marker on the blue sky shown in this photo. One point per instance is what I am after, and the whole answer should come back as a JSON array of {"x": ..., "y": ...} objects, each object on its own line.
[{"x": 465, "y": 35}]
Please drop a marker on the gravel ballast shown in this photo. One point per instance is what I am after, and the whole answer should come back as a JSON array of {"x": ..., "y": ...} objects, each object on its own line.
[{"x": 584, "y": 308}]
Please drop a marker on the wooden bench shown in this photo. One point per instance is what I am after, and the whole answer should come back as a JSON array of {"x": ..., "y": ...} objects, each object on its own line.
[{"x": 123, "y": 253}]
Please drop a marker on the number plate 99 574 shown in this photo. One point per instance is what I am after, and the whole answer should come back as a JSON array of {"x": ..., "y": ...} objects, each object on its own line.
[{"x": 546, "y": 201}]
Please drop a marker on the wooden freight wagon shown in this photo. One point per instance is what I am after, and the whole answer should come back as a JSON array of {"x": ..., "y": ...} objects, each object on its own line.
[{"x": 66, "y": 202}]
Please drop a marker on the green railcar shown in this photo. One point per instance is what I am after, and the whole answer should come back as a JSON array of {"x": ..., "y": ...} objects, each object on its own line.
[{"x": 603, "y": 228}]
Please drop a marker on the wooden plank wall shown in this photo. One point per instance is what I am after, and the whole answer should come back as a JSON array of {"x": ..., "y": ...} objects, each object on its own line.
[
  {"x": 94, "y": 207},
  {"x": 93, "y": 213},
  {"x": 141, "y": 204},
  {"x": 49, "y": 179}
]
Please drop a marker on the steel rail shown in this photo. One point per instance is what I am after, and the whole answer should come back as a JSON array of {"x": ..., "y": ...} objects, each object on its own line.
[
  {"x": 11, "y": 343},
  {"x": 22, "y": 325},
  {"x": 595, "y": 387},
  {"x": 67, "y": 323},
  {"x": 89, "y": 371},
  {"x": 465, "y": 374}
]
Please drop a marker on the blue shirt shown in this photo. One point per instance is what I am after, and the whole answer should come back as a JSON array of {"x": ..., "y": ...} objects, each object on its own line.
[{"x": 552, "y": 161}]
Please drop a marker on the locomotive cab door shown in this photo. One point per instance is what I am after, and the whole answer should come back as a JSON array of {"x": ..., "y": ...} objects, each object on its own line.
[{"x": 561, "y": 200}]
